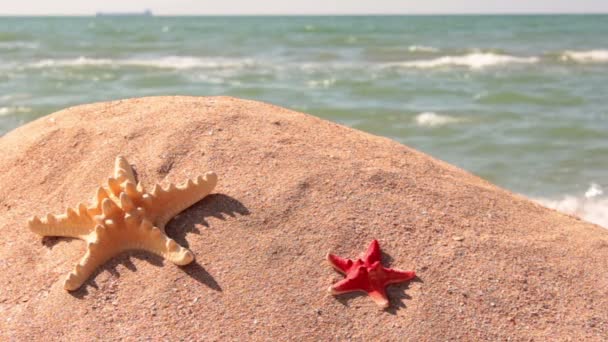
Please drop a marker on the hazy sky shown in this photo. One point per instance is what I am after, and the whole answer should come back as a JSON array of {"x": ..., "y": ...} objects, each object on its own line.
[{"x": 8, "y": 7}]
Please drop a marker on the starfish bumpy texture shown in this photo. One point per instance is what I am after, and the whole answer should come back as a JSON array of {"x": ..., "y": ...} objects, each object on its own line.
[
  {"x": 125, "y": 217},
  {"x": 367, "y": 275}
]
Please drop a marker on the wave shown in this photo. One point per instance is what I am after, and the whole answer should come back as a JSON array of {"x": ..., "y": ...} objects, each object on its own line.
[
  {"x": 511, "y": 97},
  {"x": 590, "y": 56},
  {"x": 324, "y": 83},
  {"x": 169, "y": 62},
  {"x": 12, "y": 110},
  {"x": 18, "y": 45},
  {"x": 472, "y": 61},
  {"x": 421, "y": 48},
  {"x": 591, "y": 206},
  {"x": 431, "y": 119}
]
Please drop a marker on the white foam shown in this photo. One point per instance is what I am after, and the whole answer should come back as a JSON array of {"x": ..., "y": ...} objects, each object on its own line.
[
  {"x": 594, "y": 191},
  {"x": 177, "y": 62},
  {"x": 324, "y": 83},
  {"x": 169, "y": 62},
  {"x": 18, "y": 45},
  {"x": 80, "y": 61},
  {"x": 421, "y": 48},
  {"x": 12, "y": 110},
  {"x": 472, "y": 60},
  {"x": 592, "y": 206},
  {"x": 590, "y": 56},
  {"x": 430, "y": 119}
]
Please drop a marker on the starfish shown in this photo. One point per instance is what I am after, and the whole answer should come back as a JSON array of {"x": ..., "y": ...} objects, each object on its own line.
[
  {"x": 367, "y": 275},
  {"x": 124, "y": 217}
]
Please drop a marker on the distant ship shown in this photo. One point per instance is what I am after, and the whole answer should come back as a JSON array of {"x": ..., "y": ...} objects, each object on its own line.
[{"x": 146, "y": 13}]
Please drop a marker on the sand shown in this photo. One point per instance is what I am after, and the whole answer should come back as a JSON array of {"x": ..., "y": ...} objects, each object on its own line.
[{"x": 491, "y": 265}]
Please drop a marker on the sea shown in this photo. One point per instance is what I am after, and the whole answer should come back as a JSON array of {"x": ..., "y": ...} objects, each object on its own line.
[{"x": 521, "y": 101}]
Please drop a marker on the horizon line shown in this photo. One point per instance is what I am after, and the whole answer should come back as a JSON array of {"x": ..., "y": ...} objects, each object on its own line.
[{"x": 136, "y": 14}]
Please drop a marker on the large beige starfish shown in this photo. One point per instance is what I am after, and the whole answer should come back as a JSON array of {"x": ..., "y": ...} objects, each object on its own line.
[{"x": 125, "y": 217}]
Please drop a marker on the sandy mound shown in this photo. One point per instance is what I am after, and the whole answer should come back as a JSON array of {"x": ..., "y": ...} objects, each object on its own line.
[{"x": 292, "y": 187}]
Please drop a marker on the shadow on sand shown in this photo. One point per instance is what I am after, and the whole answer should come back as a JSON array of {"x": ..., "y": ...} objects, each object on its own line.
[
  {"x": 396, "y": 292},
  {"x": 219, "y": 206}
]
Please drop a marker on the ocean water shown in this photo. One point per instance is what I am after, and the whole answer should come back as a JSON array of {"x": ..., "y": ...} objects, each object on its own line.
[{"x": 519, "y": 100}]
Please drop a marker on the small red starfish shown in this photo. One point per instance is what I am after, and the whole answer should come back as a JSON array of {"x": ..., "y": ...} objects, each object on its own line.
[{"x": 367, "y": 275}]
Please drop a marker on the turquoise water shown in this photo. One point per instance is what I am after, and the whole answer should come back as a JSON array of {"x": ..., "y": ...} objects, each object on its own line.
[{"x": 519, "y": 100}]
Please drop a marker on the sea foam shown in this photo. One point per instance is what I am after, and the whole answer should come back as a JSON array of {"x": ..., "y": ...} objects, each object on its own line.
[
  {"x": 12, "y": 110},
  {"x": 472, "y": 60},
  {"x": 18, "y": 45},
  {"x": 592, "y": 206},
  {"x": 590, "y": 56},
  {"x": 169, "y": 62},
  {"x": 421, "y": 48},
  {"x": 430, "y": 119}
]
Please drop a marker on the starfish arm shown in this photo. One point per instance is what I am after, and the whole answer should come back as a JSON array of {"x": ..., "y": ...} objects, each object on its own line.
[
  {"x": 123, "y": 170},
  {"x": 344, "y": 286},
  {"x": 100, "y": 195},
  {"x": 97, "y": 254},
  {"x": 373, "y": 253},
  {"x": 379, "y": 297},
  {"x": 356, "y": 281},
  {"x": 394, "y": 276},
  {"x": 153, "y": 240},
  {"x": 76, "y": 224},
  {"x": 164, "y": 204},
  {"x": 340, "y": 264}
]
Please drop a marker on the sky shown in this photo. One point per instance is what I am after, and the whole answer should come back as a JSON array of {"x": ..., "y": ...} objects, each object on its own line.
[{"x": 234, "y": 7}]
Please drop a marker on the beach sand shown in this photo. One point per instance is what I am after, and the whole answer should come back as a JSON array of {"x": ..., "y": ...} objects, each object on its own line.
[{"x": 491, "y": 265}]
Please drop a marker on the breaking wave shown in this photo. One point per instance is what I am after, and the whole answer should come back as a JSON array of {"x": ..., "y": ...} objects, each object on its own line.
[
  {"x": 590, "y": 56},
  {"x": 12, "y": 110},
  {"x": 430, "y": 119},
  {"x": 170, "y": 62},
  {"x": 421, "y": 48},
  {"x": 472, "y": 61},
  {"x": 18, "y": 45},
  {"x": 591, "y": 206}
]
